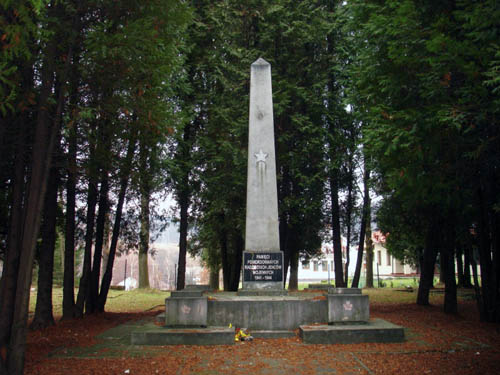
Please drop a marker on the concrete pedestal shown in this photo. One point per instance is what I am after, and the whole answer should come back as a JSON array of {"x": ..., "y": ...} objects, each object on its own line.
[
  {"x": 186, "y": 312},
  {"x": 348, "y": 308}
]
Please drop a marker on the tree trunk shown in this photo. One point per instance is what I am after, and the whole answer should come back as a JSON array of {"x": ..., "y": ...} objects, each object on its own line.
[
  {"x": 124, "y": 179},
  {"x": 369, "y": 255},
  {"x": 91, "y": 303},
  {"x": 183, "y": 231},
  {"x": 428, "y": 265},
  {"x": 284, "y": 230},
  {"x": 84, "y": 287},
  {"x": 239, "y": 245},
  {"x": 477, "y": 287},
  {"x": 365, "y": 217},
  {"x": 11, "y": 262},
  {"x": 467, "y": 265},
  {"x": 441, "y": 270},
  {"x": 460, "y": 267},
  {"x": 348, "y": 225},
  {"x": 235, "y": 255},
  {"x": 214, "y": 279},
  {"x": 68, "y": 306},
  {"x": 44, "y": 140},
  {"x": 337, "y": 243},
  {"x": 43, "y": 144},
  {"x": 285, "y": 246},
  {"x": 293, "y": 283},
  {"x": 43, "y": 311},
  {"x": 450, "y": 290},
  {"x": 144, "y": 216},
  {"x": 488, "y": 256},
  {"x": 224, "y": 254},
  {"x": 144, "y": 240},
  {"x": 184, "y": 202}
]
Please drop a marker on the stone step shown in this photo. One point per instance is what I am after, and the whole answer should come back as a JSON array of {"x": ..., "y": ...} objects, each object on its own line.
[
  {"x": 185, "y": 336},
  {"x": 272, "y": 334},
  {"x": 376, "y": 330}
]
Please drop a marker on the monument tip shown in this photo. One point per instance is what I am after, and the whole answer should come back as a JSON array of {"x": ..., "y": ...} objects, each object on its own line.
[{"x": 260, "y": 61}]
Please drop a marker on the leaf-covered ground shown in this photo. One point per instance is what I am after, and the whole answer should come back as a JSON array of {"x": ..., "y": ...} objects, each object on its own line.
[{"x": 436, "y": 343}]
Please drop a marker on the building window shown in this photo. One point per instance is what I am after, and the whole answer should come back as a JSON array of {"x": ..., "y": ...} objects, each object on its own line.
[
  {"x": 315, "y": 265},
  {"x": 379, "y": 258},
  {"x": 305, "y": 265},
  {"x": 324, "y": 266},
  {"x": 388, "y": 259}
]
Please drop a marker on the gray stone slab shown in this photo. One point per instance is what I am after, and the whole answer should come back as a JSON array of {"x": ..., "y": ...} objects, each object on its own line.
[
  {"x": 282, "y": 334},
  {"x": 267, "y": 313},
  {"x": 319, "y": 286},
  {"x": 376, "y": 330},
  {"x": 344, "y": 290},
  {"x": 201, "y": 287},
  {"x": 344, "y": 308},
  {"x": 262, "y": 292},
  {"x": 170, "y": 336},
  {"x": 188, "y": 311},
  {"x": 186, "y": 293}
]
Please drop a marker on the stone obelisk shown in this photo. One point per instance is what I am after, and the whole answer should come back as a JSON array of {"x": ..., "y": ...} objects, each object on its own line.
[{"x": 262, "y": 258}]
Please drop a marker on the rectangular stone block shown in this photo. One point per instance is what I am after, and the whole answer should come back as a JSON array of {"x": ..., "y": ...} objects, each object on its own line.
[
  {"x": 348, "y": 308},
  {"x": 170, "y": 336},
  {"x": 186, "y": 293},
  {"x": 267, "y": 313},
  {"x": 186, "y": 312},
  {"x": 376, "y": 330},
  {"x": 344, "y": 290},
  {"x": 201, "y": 287},
  {"x": 319, "y": 286}
]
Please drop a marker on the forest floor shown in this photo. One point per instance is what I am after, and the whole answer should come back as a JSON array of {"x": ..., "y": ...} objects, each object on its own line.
[{"x": 436, "y": 343}]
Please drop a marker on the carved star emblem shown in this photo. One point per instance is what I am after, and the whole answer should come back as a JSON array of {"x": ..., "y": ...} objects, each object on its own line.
[
  {"x": 261, "y": 156},
  {"x": 347, "y": 306}
]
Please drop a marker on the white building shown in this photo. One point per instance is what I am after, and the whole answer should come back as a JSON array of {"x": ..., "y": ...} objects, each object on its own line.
[
  {"x": 385, "y": 263},
  {"x": 322, "y": 268}
]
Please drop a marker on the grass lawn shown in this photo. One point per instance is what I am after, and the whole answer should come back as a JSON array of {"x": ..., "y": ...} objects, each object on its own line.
[{"x": 138, "y": 300}]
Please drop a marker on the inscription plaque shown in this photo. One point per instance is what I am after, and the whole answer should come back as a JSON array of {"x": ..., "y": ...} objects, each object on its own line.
[{"x": 263, "y": 266}]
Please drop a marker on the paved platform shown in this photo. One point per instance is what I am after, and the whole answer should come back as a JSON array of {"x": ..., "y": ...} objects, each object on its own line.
[{"x": 376, "y": 330}]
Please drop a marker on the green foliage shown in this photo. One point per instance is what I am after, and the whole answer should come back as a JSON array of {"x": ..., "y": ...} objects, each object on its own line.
[
  {"x": 18, "y": 30},
  {"x": 425, "y": 78}
]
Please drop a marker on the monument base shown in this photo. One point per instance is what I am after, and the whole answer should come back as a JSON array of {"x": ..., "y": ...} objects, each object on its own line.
[{"x": 342, "y": 316}]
